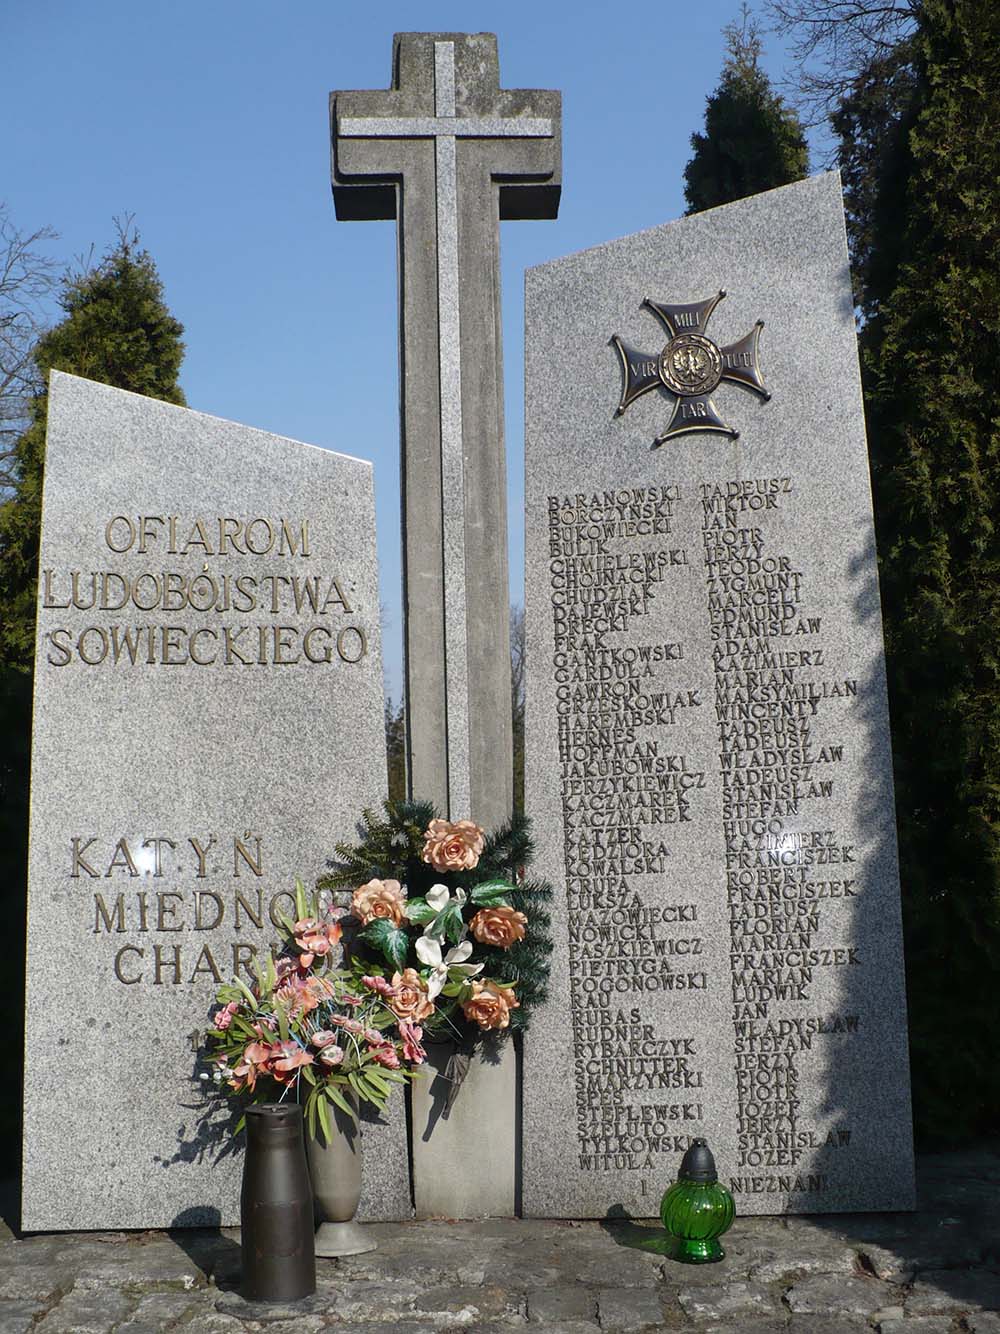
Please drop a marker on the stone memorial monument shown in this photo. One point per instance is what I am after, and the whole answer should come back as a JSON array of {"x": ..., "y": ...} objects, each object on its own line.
[
  {"x": 207, "y": 723},
  {"x": 708, "y": 763},
  {"x": 447, "y": 153}
]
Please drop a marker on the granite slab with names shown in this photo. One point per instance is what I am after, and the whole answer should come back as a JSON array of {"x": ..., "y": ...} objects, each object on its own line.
[
  {"x": 208, "y": 722},
  {"x": 708, "y": 763}
]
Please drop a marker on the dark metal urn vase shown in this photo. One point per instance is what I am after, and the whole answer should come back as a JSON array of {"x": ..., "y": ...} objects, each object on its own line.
[{"x": 276, "y": 1207}]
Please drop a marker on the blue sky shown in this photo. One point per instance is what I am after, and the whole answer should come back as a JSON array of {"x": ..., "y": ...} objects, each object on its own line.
[{"x": 207, "y": 120}]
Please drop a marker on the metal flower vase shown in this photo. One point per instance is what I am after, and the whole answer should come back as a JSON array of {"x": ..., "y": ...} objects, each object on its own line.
[
  {"x": 335, "y": 1168},
  {"x": 276, "y": 1207}
]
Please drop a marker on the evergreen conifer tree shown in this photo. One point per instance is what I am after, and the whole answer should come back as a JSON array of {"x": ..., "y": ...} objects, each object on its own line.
[
  {"x": 117, "y": 330},
  {"x": 752, "y": 141},
  {"x": 930, "y": 251}
]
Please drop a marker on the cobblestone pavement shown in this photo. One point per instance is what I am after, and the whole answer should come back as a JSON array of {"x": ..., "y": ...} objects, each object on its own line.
[{"x": 926, "y": 1273}]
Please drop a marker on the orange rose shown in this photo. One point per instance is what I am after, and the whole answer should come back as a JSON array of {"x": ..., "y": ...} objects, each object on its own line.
[
  {"x": 411, "y": 1000},
  {"x": 379, "y": 898},
  {"x": 498, "y": 926},
  {"x": 453, "y": 847},
  {"x": 490, "y": 1004}
]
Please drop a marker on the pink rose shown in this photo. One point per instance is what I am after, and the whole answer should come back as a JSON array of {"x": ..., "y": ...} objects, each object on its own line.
[
  {"x": 411, "y": 1035},
  {"x": 224, "y": 1017},
  {"x": 386, "y": 1056},
  {"x": 453, "y": 846}
]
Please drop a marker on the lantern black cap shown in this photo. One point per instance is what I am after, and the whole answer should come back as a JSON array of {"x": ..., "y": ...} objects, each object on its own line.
[{"x": 698, "y": 1163}]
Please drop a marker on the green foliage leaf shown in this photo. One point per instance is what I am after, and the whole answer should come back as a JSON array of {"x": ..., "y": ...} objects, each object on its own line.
[
  {"x": 418, "y": 910},
  {"x": 491, "y": 894},
  {"x": 392, "y": 941}
]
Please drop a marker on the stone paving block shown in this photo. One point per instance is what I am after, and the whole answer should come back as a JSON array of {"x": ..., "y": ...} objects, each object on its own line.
[
  {"x": 832, "y": 1295},
  {"x": 798, "y": 1262},
  {"x": 25, "y": 1277},
  {"x": 728, "y": 1301},
  {"x": 944, "y": 1290},
  {"x": 157, "y": 1311},
  {"x": 84, "y": 1311},
  {"x": 465, "y": 1305},
  {"x": 622, "y": 1310},
  {"x": 19, "y": 1317},
  {"x": 548, "y": 1305},
  {"x": 129, "y": 1262},
  {"x": 922, "y": 1324}
]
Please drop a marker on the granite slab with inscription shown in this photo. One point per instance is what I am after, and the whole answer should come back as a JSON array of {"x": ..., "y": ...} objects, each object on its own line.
[
  {"x": 208, "y": 721},
  {"x": 708, "y": 763}
]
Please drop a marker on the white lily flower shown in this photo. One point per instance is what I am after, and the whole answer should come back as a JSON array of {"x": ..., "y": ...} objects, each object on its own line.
[
  {"x": 438, "y": 896},
  {"x": 429, "y": 952}
]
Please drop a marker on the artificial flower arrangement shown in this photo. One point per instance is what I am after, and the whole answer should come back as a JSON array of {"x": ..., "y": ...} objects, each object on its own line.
[
  {"x": 306, "y": 1029},
  {"x": 445, "y": 919}
]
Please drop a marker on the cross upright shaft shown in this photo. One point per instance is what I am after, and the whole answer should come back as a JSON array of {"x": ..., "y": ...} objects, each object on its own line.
[{"x": 448, "y": 153}]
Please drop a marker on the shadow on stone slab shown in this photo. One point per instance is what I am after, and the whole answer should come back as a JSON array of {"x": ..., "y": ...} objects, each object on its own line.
[
  {"x": 10, "y": 1210},
  {"x": 952, "y": 1232},
  {"x": 625, "y": 1231},
  {"x": 217, "y": 1255}
]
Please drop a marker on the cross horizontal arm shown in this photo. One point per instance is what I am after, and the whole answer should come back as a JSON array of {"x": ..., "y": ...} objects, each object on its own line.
[{"x": 430, "y": 127}]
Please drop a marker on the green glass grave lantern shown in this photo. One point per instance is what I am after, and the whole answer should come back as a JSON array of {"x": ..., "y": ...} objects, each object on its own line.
[{"x": 697, "y": 1208}]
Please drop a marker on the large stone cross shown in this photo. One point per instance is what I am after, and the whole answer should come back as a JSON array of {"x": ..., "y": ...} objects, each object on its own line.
[{"x": 447, "y": 153}]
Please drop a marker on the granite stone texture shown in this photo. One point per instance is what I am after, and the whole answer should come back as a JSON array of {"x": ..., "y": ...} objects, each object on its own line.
[
  {"x": 448, "y": 153},
  {"x": 207, "y": 724},
  {"x": 708, "y": 762}
]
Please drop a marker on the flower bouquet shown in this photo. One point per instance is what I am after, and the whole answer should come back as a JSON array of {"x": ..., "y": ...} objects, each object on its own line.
[
  {"x": 305, "y": 1028},
  {"x": 442, "y": 921}
]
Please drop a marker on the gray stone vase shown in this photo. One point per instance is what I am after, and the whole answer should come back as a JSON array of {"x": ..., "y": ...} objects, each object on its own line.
[{"x": 335, "y": 1169}]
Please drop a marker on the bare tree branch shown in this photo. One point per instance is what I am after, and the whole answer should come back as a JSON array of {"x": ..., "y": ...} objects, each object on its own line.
[
  {"x": 27, "y": 280},
  {"x": 831, "y": 41}
]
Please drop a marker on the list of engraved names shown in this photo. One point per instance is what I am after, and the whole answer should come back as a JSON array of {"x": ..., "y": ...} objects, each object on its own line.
[{"x": 658, "y": 744}]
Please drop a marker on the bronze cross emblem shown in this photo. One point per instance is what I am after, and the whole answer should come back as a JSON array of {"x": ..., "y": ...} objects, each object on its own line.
[{"x": 691, "y": 366}]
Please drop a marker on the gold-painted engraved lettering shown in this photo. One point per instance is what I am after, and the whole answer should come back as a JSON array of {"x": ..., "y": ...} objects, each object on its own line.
[
  {"x": 231, "y": 651},
  {"x": 335, "y": 598},
  {"x": 287, "y": 546},
  {"x": 281, "y": 643},
  {"x": 121, "y": 860},
  {"x": 201, "y": 852},
  {"x": 109, "y": 530},
  {"x": 168, "y": 643},
  {"x": 114, "y": 920},
  {"x": 199, "y": 923},
  {"x": 246, "y": 587},
  {"x": 240, "y": 850},
  {"x": 60, "y": 647},
  {"x": 151, "y": 605},
  {"x": 165, "y": 912},
  {"x": 203, "y": 662},
  {"x": 77, "y": 849},
  {"x": 197, "y": 538},
  {"x": 324, "y": 654},
  {"x": 263, "y": 549},
  {"x": 101, "y": 649},
  {"x": 156, "y": 844},
  {"x": 140, "y": 898},
  {"x": 124, "y": 590},
  {"x": 274, "y": 912},
  {"x": 127, "y": 949},
  {"x": 243, "y": 956},
  {"x": 344, "y": 640},
  {"x": 205, "y": 963},
  {"x": 75, "y": 594},
  {"x": 145, "y": 533},
  {"x": 48, "y": 597},
  {"x": 262, "y": 645},
  {"x": 256, "y": 917},
  {"x": 160, "y": 964},
  {"x": 229, "y": 531}
]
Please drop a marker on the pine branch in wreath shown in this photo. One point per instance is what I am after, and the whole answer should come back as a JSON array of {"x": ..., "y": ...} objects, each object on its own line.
[{"x": 391, "y": 848}]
